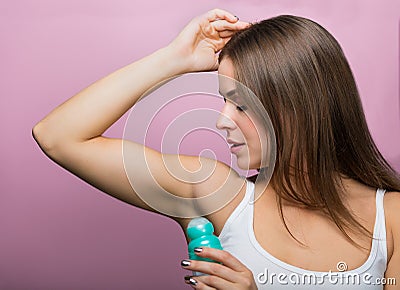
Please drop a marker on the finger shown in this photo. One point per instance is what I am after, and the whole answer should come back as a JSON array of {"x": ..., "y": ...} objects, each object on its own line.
[
  {"x": 211, "y": 268},
  {"x": 222, "y": 256},
  {"x": 227, "y": 33},
  {"x": 221, "y": 43},
  {"x": 197, "y": 284},
  {"x": 207, "y": 282},
  {"x": 216, "y": 14},
  {"x": 221, "y": 25}
]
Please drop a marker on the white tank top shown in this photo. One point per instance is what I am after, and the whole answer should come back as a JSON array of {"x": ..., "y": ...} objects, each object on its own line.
[{"x": 237, "y": 237}]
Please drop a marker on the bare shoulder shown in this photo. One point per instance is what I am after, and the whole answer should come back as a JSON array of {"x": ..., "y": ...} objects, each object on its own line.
[
  {"x": 392, "y": 210},
  {"x": 392, "y": 216},
  {"x": 392, "y": 201}
]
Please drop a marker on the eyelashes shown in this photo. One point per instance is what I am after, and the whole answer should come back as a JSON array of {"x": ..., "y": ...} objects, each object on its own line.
[{"x": 239, "y": 108}]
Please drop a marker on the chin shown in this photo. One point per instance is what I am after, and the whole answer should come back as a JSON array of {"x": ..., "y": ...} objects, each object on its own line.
[{"x": 244, "y": 164}]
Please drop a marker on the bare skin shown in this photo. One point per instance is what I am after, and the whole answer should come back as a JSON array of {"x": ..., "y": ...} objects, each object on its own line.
[{"x": 71, "y": 135}]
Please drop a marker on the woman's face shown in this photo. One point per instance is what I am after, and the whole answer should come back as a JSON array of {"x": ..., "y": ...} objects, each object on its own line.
[{"x": 242, "y": 132}]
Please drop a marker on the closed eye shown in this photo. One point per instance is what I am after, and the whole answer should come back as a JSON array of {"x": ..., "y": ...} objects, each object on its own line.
[{"x": 239, "y": 108}]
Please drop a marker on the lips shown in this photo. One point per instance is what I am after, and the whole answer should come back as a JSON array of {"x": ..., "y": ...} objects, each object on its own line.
[{"x": 235, "y": 146}]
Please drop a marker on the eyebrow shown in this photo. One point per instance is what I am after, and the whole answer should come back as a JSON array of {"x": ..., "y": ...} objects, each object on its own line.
[{"x": 229, "y": 93}]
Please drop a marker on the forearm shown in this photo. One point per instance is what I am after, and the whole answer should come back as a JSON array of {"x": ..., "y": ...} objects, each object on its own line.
[{"x": 89, "y": 113}]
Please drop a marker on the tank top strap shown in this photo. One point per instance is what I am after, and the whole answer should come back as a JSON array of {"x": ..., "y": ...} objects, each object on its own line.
[
  {"x": 240, "y": 214},
  {"x": 380, "y": 224},
  {"x": 250, "y": 191}
]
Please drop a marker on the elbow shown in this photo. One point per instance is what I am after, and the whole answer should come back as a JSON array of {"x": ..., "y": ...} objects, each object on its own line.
[{"x": 43, "y": 138}]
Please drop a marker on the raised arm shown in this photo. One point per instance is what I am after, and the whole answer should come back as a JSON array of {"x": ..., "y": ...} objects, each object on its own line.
[{"x": 71, "y": 134}]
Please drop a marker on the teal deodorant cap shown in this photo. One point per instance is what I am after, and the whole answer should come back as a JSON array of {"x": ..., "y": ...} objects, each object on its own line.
[{"x": 200, "y": 232}]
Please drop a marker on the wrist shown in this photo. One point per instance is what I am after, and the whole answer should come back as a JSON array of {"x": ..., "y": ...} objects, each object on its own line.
[{"x": 171, "y": 61}]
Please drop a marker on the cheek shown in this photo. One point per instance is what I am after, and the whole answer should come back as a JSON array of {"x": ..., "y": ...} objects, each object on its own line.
[{"x": 250, "y": 131}]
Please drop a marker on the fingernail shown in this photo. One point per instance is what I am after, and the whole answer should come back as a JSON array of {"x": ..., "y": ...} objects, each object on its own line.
[
  {"x": 192, "y": 281},
  {"x": 237, "y": 17},
  {"x": 185, "y": 263},
  {"x": 198, "y": 250},
  {"x": 187, "y": 278}
]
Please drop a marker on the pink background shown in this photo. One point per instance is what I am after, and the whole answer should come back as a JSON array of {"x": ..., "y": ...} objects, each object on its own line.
[{"x": 57, "y": 232}]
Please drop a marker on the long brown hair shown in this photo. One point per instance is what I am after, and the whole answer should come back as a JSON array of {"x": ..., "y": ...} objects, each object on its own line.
[{"x": 301, "y": 76}]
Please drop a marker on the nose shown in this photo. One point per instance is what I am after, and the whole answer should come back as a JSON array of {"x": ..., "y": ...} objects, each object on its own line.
[{"x": 225, "y": 121}]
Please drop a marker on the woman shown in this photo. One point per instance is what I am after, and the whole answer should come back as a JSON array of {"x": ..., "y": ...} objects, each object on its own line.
[{"x": 328, "y": 173}]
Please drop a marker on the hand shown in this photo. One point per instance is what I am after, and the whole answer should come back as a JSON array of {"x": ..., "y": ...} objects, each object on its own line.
[
  {"x": 199, "y": 42},
  {"x": 231, "y": 275}
]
